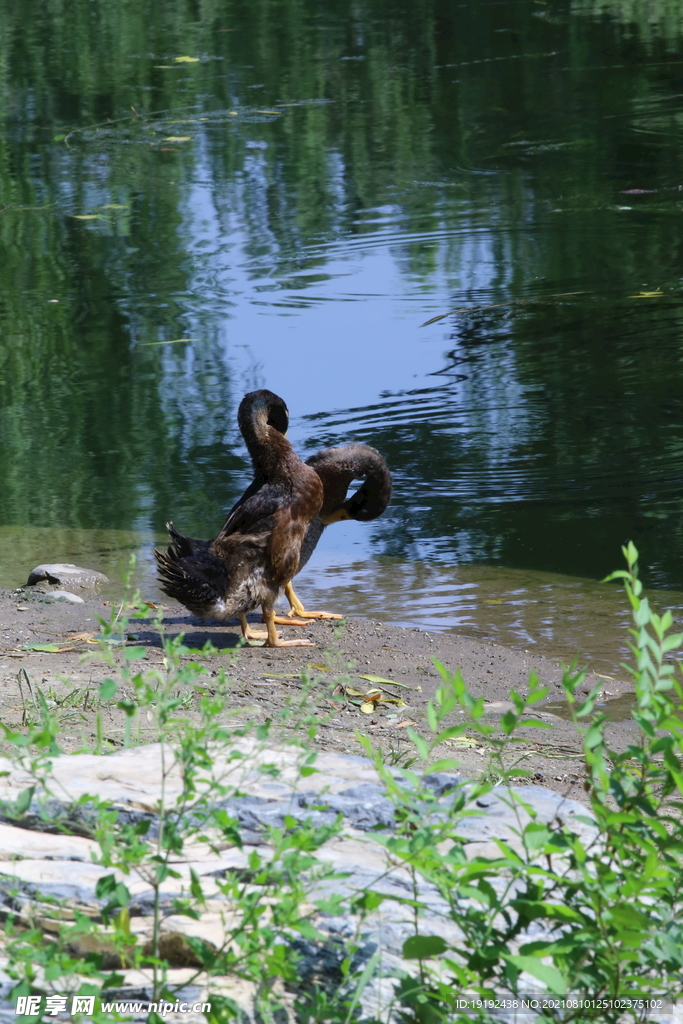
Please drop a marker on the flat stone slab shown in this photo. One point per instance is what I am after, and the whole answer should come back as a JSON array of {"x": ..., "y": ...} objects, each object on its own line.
[{"x": 35, "y": 864}]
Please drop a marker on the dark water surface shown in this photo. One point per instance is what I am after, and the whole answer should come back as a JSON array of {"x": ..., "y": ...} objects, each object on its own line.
[{"x": 200, "y": 199}]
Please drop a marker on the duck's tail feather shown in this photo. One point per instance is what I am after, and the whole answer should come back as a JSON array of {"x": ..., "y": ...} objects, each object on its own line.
[
  {"x": 183, "y": 547},
  {"x": 199, "y": 585}
]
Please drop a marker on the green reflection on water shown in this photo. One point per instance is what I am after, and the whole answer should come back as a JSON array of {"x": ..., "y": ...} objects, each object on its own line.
[{"x": 487, "y": 153}]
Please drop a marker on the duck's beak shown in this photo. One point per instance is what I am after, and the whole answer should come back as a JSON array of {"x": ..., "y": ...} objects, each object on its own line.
[{"x": 336, "y": 517}]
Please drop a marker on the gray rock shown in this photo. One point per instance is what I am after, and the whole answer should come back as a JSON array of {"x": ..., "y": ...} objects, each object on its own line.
[
  {"x": 365, "y": 806},
  {"x": 66, "y": 574}
]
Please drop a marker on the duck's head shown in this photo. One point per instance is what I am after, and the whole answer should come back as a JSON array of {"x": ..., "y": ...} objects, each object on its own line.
[{"x": 260, "y": 409}]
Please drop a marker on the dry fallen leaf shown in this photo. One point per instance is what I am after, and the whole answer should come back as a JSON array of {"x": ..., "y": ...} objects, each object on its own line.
[
  {"x": 351, "y": 691},
  {"x": 367, "y": 707},
  {"x": 407, "y": 721}
]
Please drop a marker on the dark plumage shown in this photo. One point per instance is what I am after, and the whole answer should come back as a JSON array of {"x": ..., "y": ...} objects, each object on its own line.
[{"x": 258, "y": 549}]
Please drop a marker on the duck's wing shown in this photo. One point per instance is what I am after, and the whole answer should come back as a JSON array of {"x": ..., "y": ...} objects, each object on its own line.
[
  {"x": 253, "y": 488},
  {"x": 254, "y": 511}
]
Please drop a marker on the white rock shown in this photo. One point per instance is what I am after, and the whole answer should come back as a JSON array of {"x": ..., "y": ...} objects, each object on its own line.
[{"x": 20, "y": 842}]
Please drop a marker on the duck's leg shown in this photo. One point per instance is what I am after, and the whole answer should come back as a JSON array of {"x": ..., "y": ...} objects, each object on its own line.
[
  {"x": 251, "y": 634},
  {"x": 296, "y": 608},
  {"x": 273, "y": 638}
]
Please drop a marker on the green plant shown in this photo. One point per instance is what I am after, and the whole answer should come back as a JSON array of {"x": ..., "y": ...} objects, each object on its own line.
[{"x": 608, "y": 897}]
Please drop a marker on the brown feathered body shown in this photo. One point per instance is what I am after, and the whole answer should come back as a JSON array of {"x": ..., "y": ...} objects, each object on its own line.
[{"x": 257, "y": 552}]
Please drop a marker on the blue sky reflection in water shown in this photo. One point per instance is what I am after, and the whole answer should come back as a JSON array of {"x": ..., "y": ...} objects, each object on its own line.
[{"x": 297, "y": 202}]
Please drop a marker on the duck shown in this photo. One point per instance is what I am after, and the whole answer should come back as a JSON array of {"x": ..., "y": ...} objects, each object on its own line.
[
  {"x": 337, "y": 468},
  {"x": 258, "y": 549}
]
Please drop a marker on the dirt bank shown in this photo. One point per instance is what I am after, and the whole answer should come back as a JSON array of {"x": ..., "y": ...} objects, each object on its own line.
[{"x": 263, "y": 680}]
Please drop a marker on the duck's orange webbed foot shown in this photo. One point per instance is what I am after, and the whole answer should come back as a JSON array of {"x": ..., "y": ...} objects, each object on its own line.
[
  {"x": 273, "y": 639},
  {"x": 297, "y": 609}
]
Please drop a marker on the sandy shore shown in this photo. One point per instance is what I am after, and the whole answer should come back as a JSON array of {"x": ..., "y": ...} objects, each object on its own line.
[{"x": 263, "y": 681}]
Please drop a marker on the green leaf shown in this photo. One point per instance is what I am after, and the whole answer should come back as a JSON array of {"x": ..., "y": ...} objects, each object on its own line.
[
  {"x": 305, "y": 928},
  {"x": 115, "y": 892},
  {"x": 23, "y": 801},
  {"x": 58, "y": 138},
  {"x": 196, "y": 885},
  {"x": 627, "y": 917},
  {"x": 419, "y": 947},
  {"x": 537, "y": 835},
  {"x": 541, "y": 908},
  {"x": 508, "y": 722},
  {"x": 107, "y": 689},
  {"x": 550, "y": 976},
  {"x": 368, "y": 900},
  {"x": 54, "y": 971},
  {"x": 420, "y": 744},
  {"x": 133, "y": 653},
  {"x": 446, "y": 764}
]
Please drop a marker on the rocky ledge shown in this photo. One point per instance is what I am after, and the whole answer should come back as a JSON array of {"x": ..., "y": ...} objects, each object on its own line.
[{"x": 50, "y": 871}]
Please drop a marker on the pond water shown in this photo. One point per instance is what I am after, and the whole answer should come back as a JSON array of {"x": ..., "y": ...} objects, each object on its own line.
[{"x": 452, "y": 231}]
